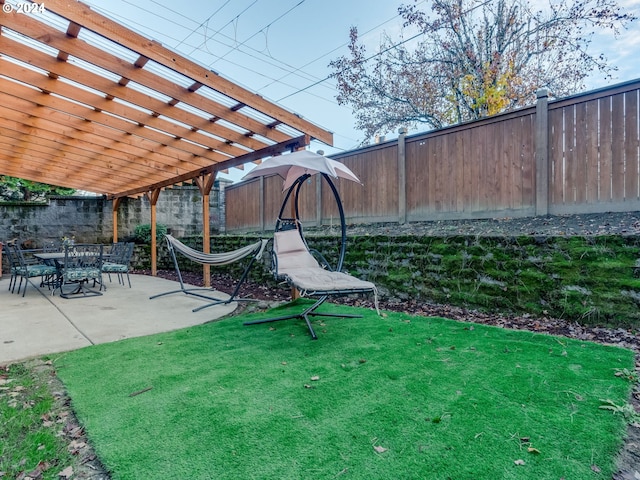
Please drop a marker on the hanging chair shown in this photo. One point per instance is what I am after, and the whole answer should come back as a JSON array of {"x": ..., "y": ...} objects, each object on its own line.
[{"x": 294, "y": 263}]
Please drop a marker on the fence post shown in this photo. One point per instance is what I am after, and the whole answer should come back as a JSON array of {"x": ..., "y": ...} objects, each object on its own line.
[
  {"x": 402, "y": 177},
  {"x": 261, "y": 205},
  {"x": 319, "y": 195},
  {"x": 542, "y": 152}
]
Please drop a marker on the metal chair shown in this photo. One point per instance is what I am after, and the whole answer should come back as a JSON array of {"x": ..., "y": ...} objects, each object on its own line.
[
  {"x": 118, "y": 261},
  {"x": 81, "y": 264},
  {"x": 29, "y": 267},
  {"x": 14, "y": 265},
  {"x": 294, "y": 263}
]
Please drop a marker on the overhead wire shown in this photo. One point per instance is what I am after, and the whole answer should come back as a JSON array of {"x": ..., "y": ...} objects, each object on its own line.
[
  {"x": 292, "y": 70},
  {"x": 381, "y": 52},
  {"x": 261, "y": 30}
]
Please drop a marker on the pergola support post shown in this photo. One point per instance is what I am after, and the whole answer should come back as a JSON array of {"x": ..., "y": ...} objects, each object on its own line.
[
  {"x": 114, "y": 215},
  {"x": 153, "y": 200},
  {"x": 205, "y": 184}
]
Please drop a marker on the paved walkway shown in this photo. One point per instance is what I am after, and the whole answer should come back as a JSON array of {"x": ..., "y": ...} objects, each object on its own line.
[{"x": 40, "y": 324}]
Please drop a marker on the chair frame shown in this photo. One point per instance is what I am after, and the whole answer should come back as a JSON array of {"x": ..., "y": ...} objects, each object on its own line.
[
  {"x": 294, "y": 223},
  {"x": 119, "y": 260},
  {"x": 27, "y": 271},
  {"x": 74, "y": 261}
]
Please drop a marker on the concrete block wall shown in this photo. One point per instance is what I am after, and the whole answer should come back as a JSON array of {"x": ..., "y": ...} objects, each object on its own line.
[{"x": 89, "y": 219}]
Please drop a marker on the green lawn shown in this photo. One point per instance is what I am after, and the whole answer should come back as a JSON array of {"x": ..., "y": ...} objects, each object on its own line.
[{"x": 397, "y": 397}]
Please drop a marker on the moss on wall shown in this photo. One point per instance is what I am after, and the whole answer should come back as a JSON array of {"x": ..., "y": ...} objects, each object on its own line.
[{"x": 591, "y": 280}]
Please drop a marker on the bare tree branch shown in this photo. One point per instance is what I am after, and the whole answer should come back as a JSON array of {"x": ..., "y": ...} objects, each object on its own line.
[{"x": 473, "y": 58}]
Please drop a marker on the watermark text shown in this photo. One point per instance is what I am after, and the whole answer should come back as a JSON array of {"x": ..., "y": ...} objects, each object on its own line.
[{"x": 23, "y": 7}]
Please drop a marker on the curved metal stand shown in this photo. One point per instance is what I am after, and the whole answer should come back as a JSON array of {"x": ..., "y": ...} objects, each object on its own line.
[
  {"x": 310, "y": 311},
  {"x": 297, "y": 185}
]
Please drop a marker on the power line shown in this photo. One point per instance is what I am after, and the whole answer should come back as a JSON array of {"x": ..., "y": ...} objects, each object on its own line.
[
  {"x": 360, "y": 62},
  {"x": 261, "y": 30},
  {"x": 199, "y": 26},
  {"x": 392, "y": 47}
]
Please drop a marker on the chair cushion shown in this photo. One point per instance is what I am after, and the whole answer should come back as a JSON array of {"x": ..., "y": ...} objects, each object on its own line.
[
  {"x": 75, "y": 274},
  {"x": 320, "y": 280},
  {"x": 291, "y": 252},
  {"x": 114, "y": 268},
  {"x": 35, "y": 270}
]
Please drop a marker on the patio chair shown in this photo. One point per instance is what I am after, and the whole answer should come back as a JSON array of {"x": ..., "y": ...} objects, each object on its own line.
[
  {"x": 254, "y": 251},
  {"x": 14, "y": 265},
  {"x": 118, "y": 261},
  {"x": 293, "y": 262},
  {"x": 28, "y": 267},
  {"x": 82, "y": 263}
]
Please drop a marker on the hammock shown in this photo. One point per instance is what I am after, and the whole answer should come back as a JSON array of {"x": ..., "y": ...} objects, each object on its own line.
[{"x": 215, "y": 259}]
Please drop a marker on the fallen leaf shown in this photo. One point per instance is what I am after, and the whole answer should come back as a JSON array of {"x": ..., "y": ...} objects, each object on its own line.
[
  {"x": 74, "y": 447},
  {"x": 519, "y": 462},
  {"x": 533, "y": 450},
  {"x": 379, "y": 449},
  {"x": 315, "y": 378},
  {"x": 306, "y": 385},
  {"x": 362, "y": 360},
  {"x": 66, "y": 473}
]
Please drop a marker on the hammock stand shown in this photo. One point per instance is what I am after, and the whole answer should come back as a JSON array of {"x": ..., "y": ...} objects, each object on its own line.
[{"x": 215, "y": 259}]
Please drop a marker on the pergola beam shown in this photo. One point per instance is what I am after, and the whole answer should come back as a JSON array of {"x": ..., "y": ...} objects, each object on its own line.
[
  {"x": 83, "y": 15},
  {"x": 249, "y": 157}
]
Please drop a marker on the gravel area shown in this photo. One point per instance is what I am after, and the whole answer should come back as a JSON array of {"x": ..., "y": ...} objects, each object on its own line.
[{"x": 609, "y": 223}]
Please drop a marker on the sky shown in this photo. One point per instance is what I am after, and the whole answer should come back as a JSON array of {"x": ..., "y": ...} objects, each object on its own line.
[{"x": 281, "y": 49}]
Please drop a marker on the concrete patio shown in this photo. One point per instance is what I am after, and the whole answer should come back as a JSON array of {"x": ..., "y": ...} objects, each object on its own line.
[{"x": 40, "y": 323}]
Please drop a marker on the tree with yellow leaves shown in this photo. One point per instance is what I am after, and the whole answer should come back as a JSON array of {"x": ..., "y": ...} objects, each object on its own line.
[{"x": 467, "y": 59}]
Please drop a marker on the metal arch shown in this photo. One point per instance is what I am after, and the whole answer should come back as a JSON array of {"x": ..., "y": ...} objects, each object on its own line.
[{"x": 297, "y": 185}]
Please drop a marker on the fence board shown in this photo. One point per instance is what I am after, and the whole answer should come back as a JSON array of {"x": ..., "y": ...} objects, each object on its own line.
[
  {"x": 606, "y": 154},
  {"x": 556, "y": 156},
  {"x": 591, "y": 152},
  {"x": 526, "y": 165},
  {"x": 580, "y": 160},
  {"x": 617, "y": 147},
  {"x": 484, "y": 168},
  {"x": 631, "y": 145},
  {"x": 418, "y": 175},
  {"x": 243, "y": 206}
]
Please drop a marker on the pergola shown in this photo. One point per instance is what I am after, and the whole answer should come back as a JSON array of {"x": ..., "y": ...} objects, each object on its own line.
[{"x": 89, "y": 104}]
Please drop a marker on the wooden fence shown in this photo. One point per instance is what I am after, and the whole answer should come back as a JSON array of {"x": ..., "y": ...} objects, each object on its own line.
[{"x": 574, "y": 155}]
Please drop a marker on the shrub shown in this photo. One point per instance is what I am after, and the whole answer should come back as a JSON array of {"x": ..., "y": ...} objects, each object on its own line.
[{"x": 142, "y": 233}]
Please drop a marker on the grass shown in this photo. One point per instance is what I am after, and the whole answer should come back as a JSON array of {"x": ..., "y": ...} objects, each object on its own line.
[
  {"x": 30, "y": 440},
  {"x": 386, "y": 398}
]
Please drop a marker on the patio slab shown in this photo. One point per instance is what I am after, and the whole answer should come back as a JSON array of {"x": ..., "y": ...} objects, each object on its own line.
[{"x": 40, "y": 324}]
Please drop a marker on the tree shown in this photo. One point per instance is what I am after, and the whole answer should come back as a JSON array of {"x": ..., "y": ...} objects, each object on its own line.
[
  {"x": 473, "y": 58},
  {"x": 17, "y": 189}
]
